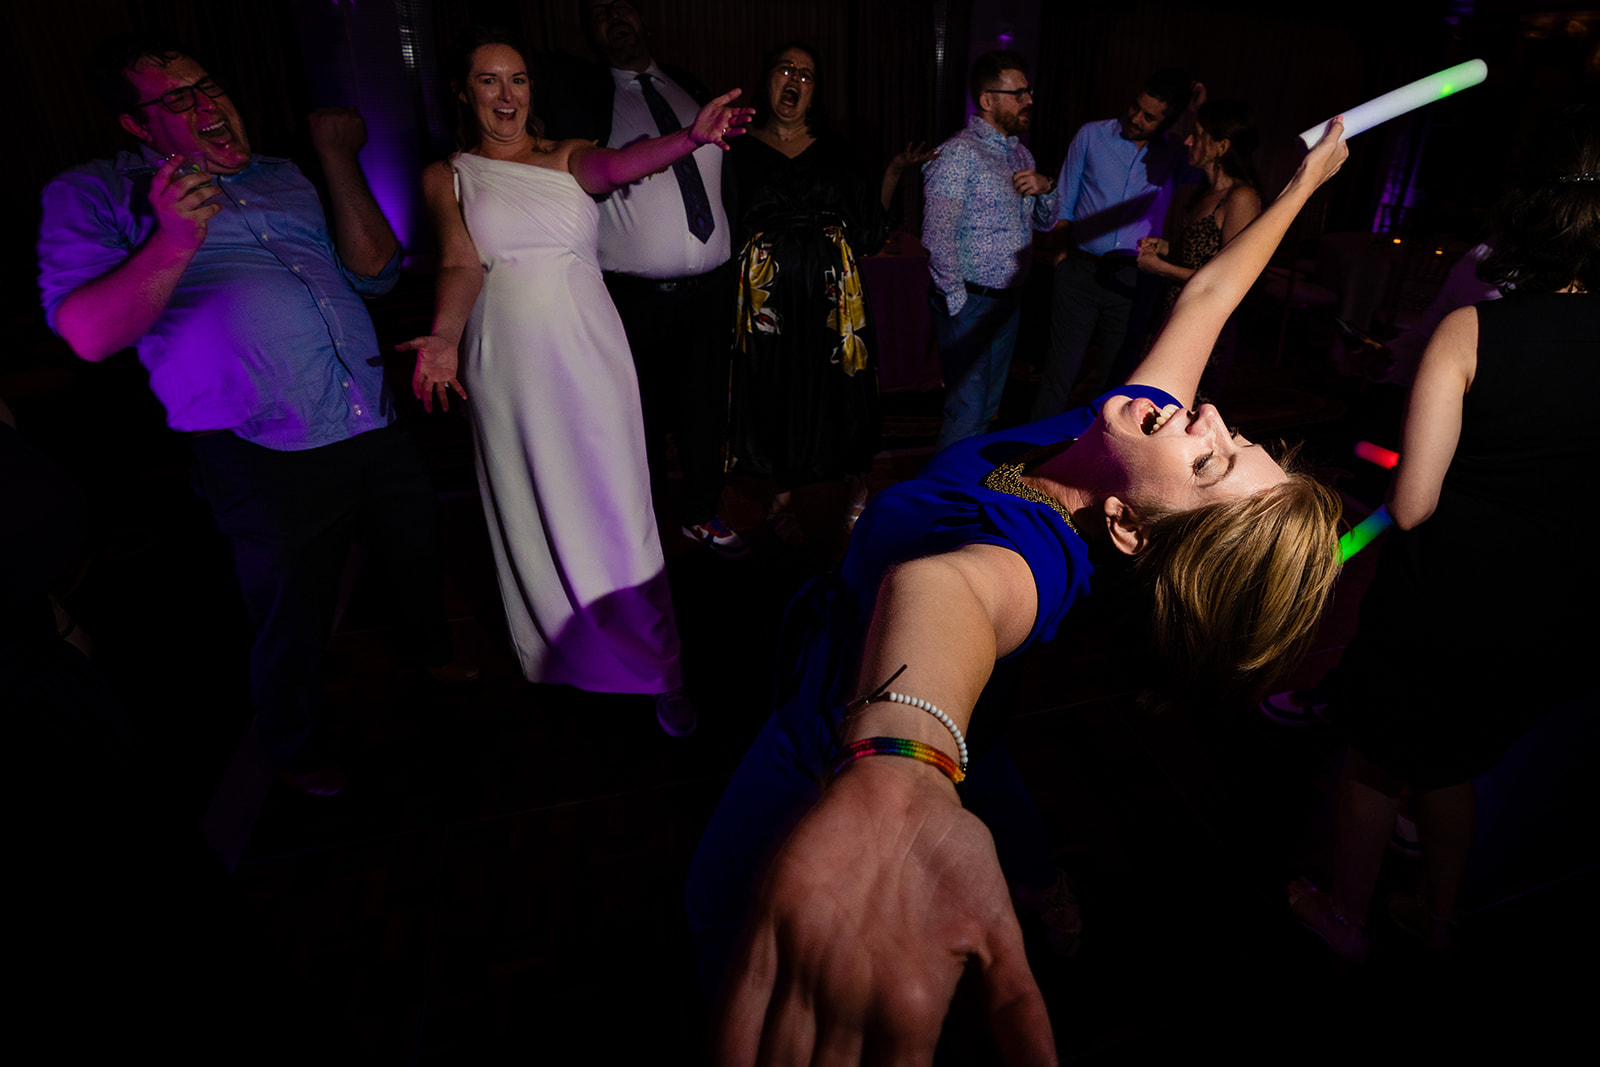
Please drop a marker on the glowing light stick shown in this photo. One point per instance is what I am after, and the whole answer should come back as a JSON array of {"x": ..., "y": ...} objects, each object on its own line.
[
  {"x": 1383, "y": 457},
  {"x": 1362, "y": 533},
  {"x": 1392, "y": 105}
]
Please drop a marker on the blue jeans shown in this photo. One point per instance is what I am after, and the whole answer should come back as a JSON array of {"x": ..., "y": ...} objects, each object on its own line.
[{"x": 975, "y": 346}]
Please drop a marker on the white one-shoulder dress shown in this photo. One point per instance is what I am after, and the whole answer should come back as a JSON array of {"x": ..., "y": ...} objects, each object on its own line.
[{"x": 560, "y": 439}]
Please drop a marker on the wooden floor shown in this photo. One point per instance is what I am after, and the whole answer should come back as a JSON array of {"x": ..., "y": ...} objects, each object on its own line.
[{"x": 502, "y": 881}]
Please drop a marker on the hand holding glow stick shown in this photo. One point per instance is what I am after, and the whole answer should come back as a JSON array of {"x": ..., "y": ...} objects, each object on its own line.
[{"x": 1406, "y": 98}]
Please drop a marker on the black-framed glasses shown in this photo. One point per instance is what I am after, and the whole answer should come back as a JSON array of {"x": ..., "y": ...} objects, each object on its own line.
[
  {"x": 1026, "y": 90},
  {"x": 802, "y": 74},
  {"x": 185, "y": 97}
]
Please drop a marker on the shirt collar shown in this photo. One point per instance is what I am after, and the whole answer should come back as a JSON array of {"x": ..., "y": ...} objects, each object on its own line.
[
  {"x": 623, "y": 77},
  {"x": 984, "y": 130}
]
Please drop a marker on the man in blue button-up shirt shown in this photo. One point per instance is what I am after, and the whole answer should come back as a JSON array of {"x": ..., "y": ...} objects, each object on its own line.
[
  {"x": 218, "y": 266},
  {"x": 1115, "y": 185},
  {"x": 982, "y": 201}
]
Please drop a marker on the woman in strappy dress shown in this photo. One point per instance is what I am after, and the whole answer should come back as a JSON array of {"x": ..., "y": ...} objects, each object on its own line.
[{"x": 1207, "y": 216}]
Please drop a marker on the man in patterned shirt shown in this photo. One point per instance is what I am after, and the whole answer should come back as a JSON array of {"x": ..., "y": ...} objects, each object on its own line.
[{"x": 983, "y": 200}]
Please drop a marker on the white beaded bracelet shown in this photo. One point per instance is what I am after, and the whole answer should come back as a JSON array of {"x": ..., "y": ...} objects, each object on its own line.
[{"x": 937, "y": 713}]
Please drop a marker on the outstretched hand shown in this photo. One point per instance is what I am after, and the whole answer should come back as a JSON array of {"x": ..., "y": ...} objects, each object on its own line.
[
  {"x": 716, "y": 122},
  {"x": 435, "y": 375},
  {"x": 876, "y": 903}
]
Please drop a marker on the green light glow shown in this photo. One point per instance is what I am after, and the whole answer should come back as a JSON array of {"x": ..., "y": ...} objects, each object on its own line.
[
  {"x": 1362, "y": 533},
  {"x": 1446, "y": 89}
]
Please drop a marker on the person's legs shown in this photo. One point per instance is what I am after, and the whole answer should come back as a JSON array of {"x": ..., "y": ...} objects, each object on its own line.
[
  {"x": 287, "y": 517},
  {"x": 399, "y": 525},
  {"x": 1446, "y": 819},
  {"x": 1074, "y": 311},
  {"x": 1007, "y": 316},
  {"x": 974, "y": 352},
  {"x": 643, "y": 314},
  {"x": 1127, "y": 300},
  {"x": 1365, "y": 805},
  {"x": 703, "y": 317},
  {"x": 681, "y": 341}
]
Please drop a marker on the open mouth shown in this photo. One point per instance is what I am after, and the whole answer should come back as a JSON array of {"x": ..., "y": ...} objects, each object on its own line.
[
  {"x": 217, "y": 131},
  {"x": 790, "y": 95},
  {"x": 1156, "y": 418}
]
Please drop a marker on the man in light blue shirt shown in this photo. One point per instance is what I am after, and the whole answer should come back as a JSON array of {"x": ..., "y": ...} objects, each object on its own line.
[
  {"x": 983, "y": 200},
  {"x": 246, "y": 308},
  {"x": 1115, "y": 187}
]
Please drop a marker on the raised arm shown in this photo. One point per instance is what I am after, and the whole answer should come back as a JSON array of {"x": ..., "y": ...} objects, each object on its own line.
[
  {"x": 888, "y": 888},
  {"x": 115, "y": 310},
  {"x": 361, "y": 233},
  {"x": 1176, "y": 360},
  {"x": 1432, "y": 425},
  {"x": 600, "y": 170},
  {"x": 460, "y": 279}
]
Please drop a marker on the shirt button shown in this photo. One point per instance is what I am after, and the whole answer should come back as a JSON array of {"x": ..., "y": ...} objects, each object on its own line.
[
  {"x": 263, "y": 237},
  {"x": 243, "y": 201},
  {"x": 358, "y": 409},
  {"x": 297, "y": 268},
  {"x": 345, "y": 384}
]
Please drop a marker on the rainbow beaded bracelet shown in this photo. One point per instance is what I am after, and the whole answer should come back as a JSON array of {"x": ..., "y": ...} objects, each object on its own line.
[{"x": 900, "y": 746}]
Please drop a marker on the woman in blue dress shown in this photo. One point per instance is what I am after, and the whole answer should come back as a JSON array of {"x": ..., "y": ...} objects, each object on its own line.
[{"x": 848, "y": 913}]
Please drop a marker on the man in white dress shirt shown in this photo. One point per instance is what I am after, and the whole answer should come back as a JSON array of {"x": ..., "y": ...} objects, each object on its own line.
[{"x": 665, "y": 246}]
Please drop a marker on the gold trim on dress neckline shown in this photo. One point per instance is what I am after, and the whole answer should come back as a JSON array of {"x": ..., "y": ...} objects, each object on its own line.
[{"x": 1007, "y": 478}]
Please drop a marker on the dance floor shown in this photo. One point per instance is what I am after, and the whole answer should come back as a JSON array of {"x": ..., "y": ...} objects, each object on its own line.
[{"x": 502, "y": 881}]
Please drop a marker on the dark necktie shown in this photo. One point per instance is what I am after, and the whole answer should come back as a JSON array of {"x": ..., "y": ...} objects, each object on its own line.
[{"x": 696, "y": 205}]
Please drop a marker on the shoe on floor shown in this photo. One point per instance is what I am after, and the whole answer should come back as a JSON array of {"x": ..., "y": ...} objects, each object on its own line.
[
  {"x": 1413, "y": 916},
  {"x": 1057, "y": 907},
  {"x": 1314, "y": 910},
  {"x": 457, "y": 672},
  {"x": 717, "y": 536},
  {"x": 675, "y": 712},
  {"x": 1299, "y": 707}
]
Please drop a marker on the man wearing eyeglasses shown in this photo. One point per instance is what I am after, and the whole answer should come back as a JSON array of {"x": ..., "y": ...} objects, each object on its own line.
[
  {"x": 1116, "y": 184},
  {"x": 220, "y": 267},
  {"x": 982, "y": 201},
  {"x": 665, "y": 248}
]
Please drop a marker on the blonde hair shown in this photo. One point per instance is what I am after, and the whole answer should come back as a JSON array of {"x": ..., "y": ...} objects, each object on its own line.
[{"x": 1238, "y": 585}]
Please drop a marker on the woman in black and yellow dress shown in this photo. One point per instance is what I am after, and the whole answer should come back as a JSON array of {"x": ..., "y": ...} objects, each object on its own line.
[{"x": 805, "y": 379}]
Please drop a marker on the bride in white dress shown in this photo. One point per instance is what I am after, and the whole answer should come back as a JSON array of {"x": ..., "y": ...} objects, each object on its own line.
[{"x": 555, "y": 410}]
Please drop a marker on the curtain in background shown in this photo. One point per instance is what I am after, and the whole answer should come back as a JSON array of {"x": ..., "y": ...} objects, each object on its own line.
[{"x": 877, "y": 60}]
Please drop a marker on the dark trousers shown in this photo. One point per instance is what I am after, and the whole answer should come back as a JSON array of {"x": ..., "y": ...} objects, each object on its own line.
[
  {"x": 290, "y": 518},
  {"x": 681, "y": 334},
  {"x": 1099, "y": 299}
]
